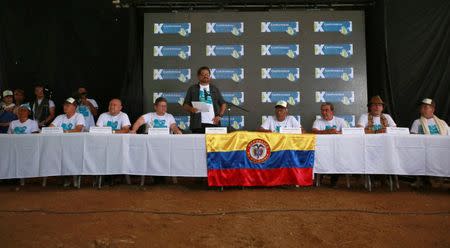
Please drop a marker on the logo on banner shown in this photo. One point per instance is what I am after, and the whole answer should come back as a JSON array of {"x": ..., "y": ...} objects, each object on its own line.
[
  {"x": 237, "y": 122},
  {"x": 297, "y": 117},
  {"x": 292, "y": 50},
  {"x": 182, "y": 75},
  {"x": 291, "y": 97},
  {"x": 291, "y": 28},
  {"x": 183, "y": 122},
  {"x": 235, "y": 74},
  {"x": 237, "y": 98},
  {"x": 343, "y": 27},
  {"x": 291, "y": 74},
  {"x": 350, "y": 119},
  {"x": 235, "y": 28},
  {"x": 183, "y": 29},
  {"x": 183, "y": 52},
  {"x": 345, "y": 74},
  {"x": 345, "y": 50},
  {"x": 258, "y": 151},
  {"x": 235, "y": 51},
  {"x": 344, "y": 97},
  {"x": 172, "y": 97}
]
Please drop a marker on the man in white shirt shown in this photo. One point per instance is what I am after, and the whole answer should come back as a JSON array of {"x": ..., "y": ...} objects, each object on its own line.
[
  {"x": 428, "y": 123},
  {"x": 115, "y": 118},
  {"x": 375, "y": 121},
  {"x": 281, "y": 119},
  {"x": 158, "y": 119},
  {"x": 87, "y": 107},
  {"x": 23, "y": 125},
  {"x": 70, "y": 121},
  {"x": 328, "y": 124}
]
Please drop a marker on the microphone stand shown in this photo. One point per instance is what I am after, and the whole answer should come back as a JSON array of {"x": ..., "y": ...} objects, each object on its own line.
[{"x": 229, "y": 105}]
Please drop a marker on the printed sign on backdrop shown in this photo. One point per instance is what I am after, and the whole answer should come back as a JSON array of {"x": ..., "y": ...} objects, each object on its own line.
[
  {"x": 235, "y": 74},
  {"x": 343, "y": 27},
  {"x": 235, "y": 51},
  {"x": 171, "y": 97},
  {"x": 182, "y": 75},
  {"x": 183, "y": 52},
  {"x": 291, "y": 74},
  {"x": 291, "y": 97},
  {"x": 237, "y": 98},
  {"x": 290, "y": 28},
  {"x": 290, "y": 50},
  {"x": 182, "y": 121},
  {"x": 237, "y": 122},
  {"x": 345, "y": 74},
  {"x": 345, "y": 50},
  {"x": 183, "y": 29},
  {"x": 235, "y": 28},
  {"x": 344, "y": 97}
]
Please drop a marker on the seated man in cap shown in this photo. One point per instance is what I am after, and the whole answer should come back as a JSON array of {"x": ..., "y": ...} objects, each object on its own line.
[
  {"x": 7, "y": 111},
  {"x": 115, "y": 118},
  {"x": 329, "y": 124},
  {"x": 23, "y": 125},
  {"x": 428, "y": 123},
  {"x": 70, "y": 121},
  {"x": 280, "y": 120},
  {"x": 158, "y": 119},
  {"x": 375, "y": 121}
]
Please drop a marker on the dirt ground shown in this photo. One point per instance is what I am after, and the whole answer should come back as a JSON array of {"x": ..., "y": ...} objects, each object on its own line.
[{"x": 189, "y": 214}]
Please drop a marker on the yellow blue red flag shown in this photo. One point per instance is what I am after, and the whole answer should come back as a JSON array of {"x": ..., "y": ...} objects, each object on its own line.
[{"x": 260, "y": 159}]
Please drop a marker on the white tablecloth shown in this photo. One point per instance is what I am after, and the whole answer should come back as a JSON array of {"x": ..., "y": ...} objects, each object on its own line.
[{"x": 38, "y": 155}]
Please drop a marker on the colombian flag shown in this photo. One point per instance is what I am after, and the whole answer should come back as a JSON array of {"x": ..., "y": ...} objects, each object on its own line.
[{"x": 260, "y": 159}]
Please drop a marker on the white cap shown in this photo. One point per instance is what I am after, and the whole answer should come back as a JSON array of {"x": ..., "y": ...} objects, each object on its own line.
[
  {"x": 25, "y": 106},
  {"x": 70, "y": 100},
  {"x": 7, "y": 93},
  {"x": 428, "y": 101},
  {"x": 281, "y": 104}
]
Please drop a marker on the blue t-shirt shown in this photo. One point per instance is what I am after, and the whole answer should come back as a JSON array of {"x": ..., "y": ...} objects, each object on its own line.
[{"x": 5, "y": 117}]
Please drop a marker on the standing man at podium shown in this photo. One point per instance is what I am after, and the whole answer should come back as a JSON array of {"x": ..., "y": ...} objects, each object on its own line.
[{"x": 206, "y": 93}]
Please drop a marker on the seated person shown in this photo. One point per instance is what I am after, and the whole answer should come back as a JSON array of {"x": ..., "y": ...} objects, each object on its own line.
[
  {"x": 158, "y": 119},
  {"x": 7, "y": 111},
  {"x": 281, "y": 119},
  {"x": 375, "y": 121},
  {"x": 328, "y": 124},
  {"x": 428, "y": 123},
  {"x": 70, "y": 121},
  {"x": 23, "y": 125},
  {"x": 115, "y": 118}
]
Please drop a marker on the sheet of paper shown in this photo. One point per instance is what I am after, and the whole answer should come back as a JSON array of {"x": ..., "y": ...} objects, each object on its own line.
[{"x": 201, "y": 106}]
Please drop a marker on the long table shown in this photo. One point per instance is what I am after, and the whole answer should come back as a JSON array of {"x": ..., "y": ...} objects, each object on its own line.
[{"x": 43, "y": 155}]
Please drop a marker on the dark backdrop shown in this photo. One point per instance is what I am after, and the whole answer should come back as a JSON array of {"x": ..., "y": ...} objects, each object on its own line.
[{"x": 68, "y": 43}]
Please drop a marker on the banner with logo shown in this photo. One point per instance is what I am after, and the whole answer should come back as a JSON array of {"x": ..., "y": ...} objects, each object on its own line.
[{"x": 256, "y": 159}]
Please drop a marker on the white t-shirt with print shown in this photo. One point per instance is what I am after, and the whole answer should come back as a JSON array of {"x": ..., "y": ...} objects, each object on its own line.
[
  {"x": 434, "y": 130},
  {"x": 335, "y": 123},
  {"x": 69, "y": 123},
  {"x": 364, "y": 121},
  {"x": 207, "y": 117},
  {"x": 272, "y": 124},
  {"x": 27, "y": 127},
  {"x": 154, "y": 120},
  {"x": 116, "y": 122},
  {"x": 86, "y": 112}
]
